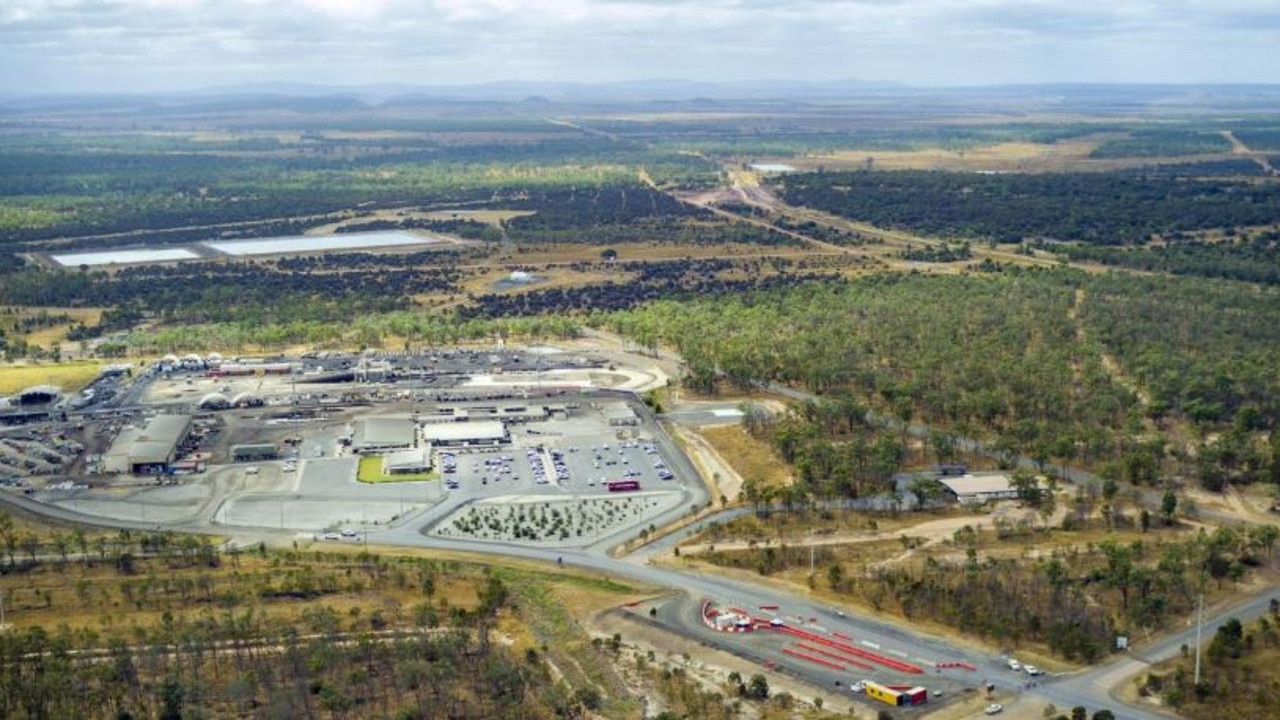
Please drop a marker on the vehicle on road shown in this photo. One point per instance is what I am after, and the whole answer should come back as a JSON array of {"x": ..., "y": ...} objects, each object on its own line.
[
  {"x": 1014, "y": 665},
  {"x": 994, "y": 709},
  {"x": 348, "y": 533},
  {"x": 332, "y": 536},
  {"x": 1032, "y": 670}
]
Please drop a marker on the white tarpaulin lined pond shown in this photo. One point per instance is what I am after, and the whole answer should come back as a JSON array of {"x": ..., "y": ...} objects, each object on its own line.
[
  {"x": 319, "y": 243},
  {"x": 282, "y": 245},
  {"x": 124, "y": 257}
]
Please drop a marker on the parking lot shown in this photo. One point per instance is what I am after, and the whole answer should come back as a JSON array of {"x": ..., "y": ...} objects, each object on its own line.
[
  {"x": 561, "y": 468},
  {"x": 581, "y": 454}
]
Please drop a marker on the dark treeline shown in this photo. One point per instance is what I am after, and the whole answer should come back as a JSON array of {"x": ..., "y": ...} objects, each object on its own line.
[
  {"x": 193, "y": 235},
  {"x": 626, "y": 213},
  {"x": 1252, "y": 259},
  {"x": 212, "y": 292},
  {"x": 354, "y": 260},
  {"x": 939, "y": 254},
  {"x": 571, "y": 208},
  {"x": 1260, "y": 138},
  {"x": 185, "y": 209},
  {"x": 1095, "y": 208},
  {"x": 1207, "y": 168},
  {"x": 1163, "y": 142},
  {"x": 654, "y": 281},
  {"x": 469, "y": 229}
]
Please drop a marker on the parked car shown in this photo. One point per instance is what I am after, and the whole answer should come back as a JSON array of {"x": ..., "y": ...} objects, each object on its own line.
[{"x": 994, "y": 709}]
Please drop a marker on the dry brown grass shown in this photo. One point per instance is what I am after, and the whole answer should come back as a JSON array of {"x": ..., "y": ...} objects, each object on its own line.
[
  {"x": 1070, "y": 155},
  {"x": 91, "y": 597},
  {"x": 71, "y": 377},
  {"x": 749, "y": 457},
  {"x": 54, "y": 334}
]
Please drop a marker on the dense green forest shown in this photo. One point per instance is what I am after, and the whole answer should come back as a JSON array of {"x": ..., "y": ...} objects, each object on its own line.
[
  {"x": 1051, "y": 363},
  {"x": 1096, "y": 208}
]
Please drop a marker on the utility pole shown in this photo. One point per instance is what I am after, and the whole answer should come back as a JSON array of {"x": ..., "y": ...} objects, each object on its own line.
[{"x": 1199, "y": 624}]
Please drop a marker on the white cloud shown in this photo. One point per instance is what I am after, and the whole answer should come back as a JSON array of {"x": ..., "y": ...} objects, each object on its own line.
[{"x": 157, "y": 44}]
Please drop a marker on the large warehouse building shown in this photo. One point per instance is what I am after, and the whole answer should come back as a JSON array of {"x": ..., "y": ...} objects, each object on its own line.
[
  {"x": 150, "y": 450},
  {"x": 384, "y": 434},
  {"x": 484, "y": 433},
  {"x": 978, "y": 489}
]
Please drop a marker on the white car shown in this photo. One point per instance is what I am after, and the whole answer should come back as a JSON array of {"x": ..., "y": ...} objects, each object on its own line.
[
  {"x": 332, "y": 536},
  {"x": 1032, "y": 670},
  {"x": 348, "y": 533},
  {"x": 858, "y": 687},
  {"x": 1014, "y": 665},
  {"x": 994, "y": 709}
]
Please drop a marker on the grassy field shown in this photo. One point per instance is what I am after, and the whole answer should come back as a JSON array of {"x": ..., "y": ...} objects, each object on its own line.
[
  {"x": 50, "y": 323},
  {"x": 71, "y": 377},
  {"x": 748, "y": 456},
  {"x": 1072, "y": 155},
  {"x": 371, "y": 472}
]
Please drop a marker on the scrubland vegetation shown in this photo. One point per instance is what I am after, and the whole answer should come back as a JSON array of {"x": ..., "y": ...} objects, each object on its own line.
[{"x": 1122, "y": 321}]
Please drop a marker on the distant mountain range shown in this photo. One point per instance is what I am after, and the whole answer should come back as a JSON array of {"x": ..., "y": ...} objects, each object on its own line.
[{"x": 301, "y": 97}]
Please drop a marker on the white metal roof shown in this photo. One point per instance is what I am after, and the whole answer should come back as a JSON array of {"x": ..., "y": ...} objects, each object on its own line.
[
  {"x": 461, "y": 431},
  {"x": 978, "y": 484}
]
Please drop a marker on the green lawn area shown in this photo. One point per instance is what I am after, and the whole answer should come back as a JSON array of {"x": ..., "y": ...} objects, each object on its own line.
[{"x": 371, "y": 472}]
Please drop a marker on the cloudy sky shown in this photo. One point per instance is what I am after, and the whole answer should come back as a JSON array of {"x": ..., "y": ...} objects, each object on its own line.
[{"x": 142, "y": 45}]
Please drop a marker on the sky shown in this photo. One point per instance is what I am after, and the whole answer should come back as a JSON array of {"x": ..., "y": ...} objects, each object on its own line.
[{"x": 94, "y": 46}]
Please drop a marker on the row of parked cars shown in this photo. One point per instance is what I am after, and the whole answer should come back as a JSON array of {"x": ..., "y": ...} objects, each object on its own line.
[{"x": 449, "y": 464}]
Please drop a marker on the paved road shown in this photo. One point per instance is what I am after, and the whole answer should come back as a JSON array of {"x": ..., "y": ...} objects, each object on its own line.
[{"x": 1092, "y": 688}]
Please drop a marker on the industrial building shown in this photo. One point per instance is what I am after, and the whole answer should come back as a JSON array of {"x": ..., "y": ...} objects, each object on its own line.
[
  {"x": 38, "y": 395},
  {"x": 151, "y": 450},
  {"x": 978, "y": 489},
  {"x": 384, "y": 434},
  {"x": 214, "y": 401},
  {"x": 406, "y": 462},
  {"x": 473, "y": 413},
  {"x": 254, "y": 453},
  {"x": 621, "y": 414},
  {"x": 484, "y": 433}
]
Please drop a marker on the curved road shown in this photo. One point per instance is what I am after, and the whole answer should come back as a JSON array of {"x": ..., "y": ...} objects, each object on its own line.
[{"x": 1091, "y": 688}]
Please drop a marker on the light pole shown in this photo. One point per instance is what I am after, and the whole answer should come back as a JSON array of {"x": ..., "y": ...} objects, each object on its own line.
[{"x": 1199, "y": 625}]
